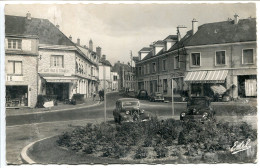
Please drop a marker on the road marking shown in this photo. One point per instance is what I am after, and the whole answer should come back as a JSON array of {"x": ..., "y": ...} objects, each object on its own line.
[
  {"x": 11, "y": 126},
  {"x": 41, "y": 112}
]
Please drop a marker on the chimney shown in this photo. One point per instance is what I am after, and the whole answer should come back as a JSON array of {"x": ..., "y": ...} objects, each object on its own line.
[
  {"x": 178, "y": 35},
  {"x": 98, "y": 51},
  {"x": 78, "y": 41},
  {"x": 236, "y": 19},
  {"x": 70, "y": 37},
  {"x": 28, "y": 16},
  {"x": 194, "y": 26},
  {"x": 58, "y": 26},
  {"x": 90, "y": 45}
]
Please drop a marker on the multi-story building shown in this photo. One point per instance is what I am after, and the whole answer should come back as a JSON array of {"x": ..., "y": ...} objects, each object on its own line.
[
  {"x": 21, "y": 59},
  {"x": 156, "y": 69},
  {"x": 64, "y": 68},
  {"x": 126, "y": 74},
  {"x": 222, "y": 53},
  {"x": 105, "y": 77},
  {"x": 210, "y": 55},
  {"x": 115, "y": 79}
]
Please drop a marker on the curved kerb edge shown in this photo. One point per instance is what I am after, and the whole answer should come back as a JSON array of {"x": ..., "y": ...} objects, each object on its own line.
[{"x": 25, "y": 158}]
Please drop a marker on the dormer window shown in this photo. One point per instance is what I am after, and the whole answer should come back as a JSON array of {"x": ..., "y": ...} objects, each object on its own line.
[{"x": 15, "y": 44}]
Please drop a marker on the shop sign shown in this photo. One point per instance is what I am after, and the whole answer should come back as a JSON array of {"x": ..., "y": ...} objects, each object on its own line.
[
  {"x": 60, "y": 80},
  {"x": 54, "y": 70},
  {"x": 15, "y": 78}
]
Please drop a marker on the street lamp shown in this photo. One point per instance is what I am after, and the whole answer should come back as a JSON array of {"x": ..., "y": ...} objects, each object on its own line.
[{"x": 172, "y": 100}]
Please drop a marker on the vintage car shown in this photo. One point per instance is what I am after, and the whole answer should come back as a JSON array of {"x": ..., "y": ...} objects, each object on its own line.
[
  {"x": 198, "y": 109},
  {"x": 128, "y": 110},
  {"x": 157, "y": 96},
  {"x": 142, "y": 94}
]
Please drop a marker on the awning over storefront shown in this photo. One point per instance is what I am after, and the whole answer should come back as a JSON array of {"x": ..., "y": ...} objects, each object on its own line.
[
  {"x": 218, "y": 89},
  {"x": 218, "y": 76},
  {"x": 195, "y": 77},
  {"x": 59, "y": 79}
]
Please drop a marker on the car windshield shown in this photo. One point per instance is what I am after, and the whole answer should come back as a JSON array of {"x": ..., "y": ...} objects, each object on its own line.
[
  {"x": 130, "y": 103},
  {"x": 201, "y": 102},
  {"x": 143, "y": 92}
]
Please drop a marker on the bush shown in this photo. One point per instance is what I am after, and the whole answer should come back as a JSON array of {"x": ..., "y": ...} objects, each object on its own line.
[
  {"x": 161, "y": 151},
  {"x": 140, "y": 153}
]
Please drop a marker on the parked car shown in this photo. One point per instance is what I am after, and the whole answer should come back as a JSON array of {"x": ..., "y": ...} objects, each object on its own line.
[
  {"x": 157, "y": 96},
  {"x": 198, "y": 108},
  {"x": 142, "y": 94},
  {"x": 128, "y": 110}
]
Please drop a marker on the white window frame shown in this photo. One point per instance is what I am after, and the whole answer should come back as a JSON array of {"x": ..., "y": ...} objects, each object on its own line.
[
  {"x": 164, "y": 69},
  {"x": 12, "y": 43},
  {"x": 191, "y": 59},
  {"x": 62, "y": 66},
  {"x": 243, "y": 56},
  {"x": 216, "y": 58},
  {"x": 16, "y": 74},
  {"x": 178, "y": 62}
]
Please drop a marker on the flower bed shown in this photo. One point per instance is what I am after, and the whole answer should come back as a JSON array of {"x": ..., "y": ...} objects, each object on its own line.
[{"x": 156, "y": 140}]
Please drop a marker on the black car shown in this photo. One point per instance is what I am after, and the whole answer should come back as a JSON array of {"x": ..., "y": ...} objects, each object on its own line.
[
  {"x": 128, "y": 110},
  {"x": 198, "y": 109},
  {"x": 157, "y": 96},
  {"x": 142, "y": 94}
]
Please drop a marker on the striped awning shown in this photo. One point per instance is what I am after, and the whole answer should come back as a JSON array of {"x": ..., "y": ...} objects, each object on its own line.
[
  {"x": 218, "y": 76},
  {"x": 195, "y": 76}
]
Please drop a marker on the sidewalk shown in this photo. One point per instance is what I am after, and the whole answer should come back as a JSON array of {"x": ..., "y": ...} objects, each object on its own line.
[{"x": 59, "y": 107}]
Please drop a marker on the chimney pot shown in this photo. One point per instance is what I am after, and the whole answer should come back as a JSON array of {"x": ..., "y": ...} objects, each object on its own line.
[
  {"x": 58, "y": 26},
  {"x": 194, "y": 26},
  {"x": 78, "y": 41},
  {"x": 70, "y": 37},
  {"x": 236, "y": 19},
  {"x": 98, "y": 51},
  {"x": 90, "y": 45}
]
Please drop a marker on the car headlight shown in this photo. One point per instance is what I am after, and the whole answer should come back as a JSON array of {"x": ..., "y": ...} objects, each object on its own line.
[
  {"x": 183, "y": 114},
  {"x": 142, "y": 111},
  {"x": 205, "y": 115},
  {"x": 127, "y": 112}
]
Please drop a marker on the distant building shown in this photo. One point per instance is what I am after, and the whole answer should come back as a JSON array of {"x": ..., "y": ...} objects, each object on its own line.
[
  {"x": 105, "y": 74},
  {"x": 126, "y": 76},
  {"x": 115, "y": 79}
]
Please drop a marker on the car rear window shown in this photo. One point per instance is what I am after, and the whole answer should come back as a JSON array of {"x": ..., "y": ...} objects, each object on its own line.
[
  {"x": 130, "y": 103},
  {"x": 198, "y": 102}
]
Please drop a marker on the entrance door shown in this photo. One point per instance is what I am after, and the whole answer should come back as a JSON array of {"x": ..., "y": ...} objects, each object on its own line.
[
  {"x": 61, "y": 90},
  {"x": 250, "y": 87}
]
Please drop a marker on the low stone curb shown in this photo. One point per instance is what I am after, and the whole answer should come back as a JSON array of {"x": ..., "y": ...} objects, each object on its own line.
[{"x": 25, "y": 158}]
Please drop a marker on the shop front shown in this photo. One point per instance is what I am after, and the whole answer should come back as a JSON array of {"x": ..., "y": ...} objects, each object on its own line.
[
  {"x": 16, "y": 96},
  {"x": 247, "y": 85},
  {"x": 206, "y": 83}
]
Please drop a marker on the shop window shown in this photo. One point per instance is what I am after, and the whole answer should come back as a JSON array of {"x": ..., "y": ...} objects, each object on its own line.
[
  {"x": 176, "y": 62},
  {"x": 57, "y": 61},
  {"x": 15, "y": 44},
  {"x": 164, "y": 65},
  {"x": 220, "y": 57},
  {"x": 248, "y": 56},
  {"x": 16, "y": 96},
  {"x": 195, "y": 59},
  {"x": 14, "y": 68}
]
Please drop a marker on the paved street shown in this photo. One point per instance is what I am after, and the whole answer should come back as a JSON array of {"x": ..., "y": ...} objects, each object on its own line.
[{"x": 24, "y": 129}]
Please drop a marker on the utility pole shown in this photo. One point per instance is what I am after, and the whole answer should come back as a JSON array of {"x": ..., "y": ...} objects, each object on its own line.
[
  {"x": 105, "y": 106},
  {"x": 172, "y": 101}
]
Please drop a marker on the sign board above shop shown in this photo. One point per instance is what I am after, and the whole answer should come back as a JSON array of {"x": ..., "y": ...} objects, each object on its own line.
[{"x": 55, "y": 70}]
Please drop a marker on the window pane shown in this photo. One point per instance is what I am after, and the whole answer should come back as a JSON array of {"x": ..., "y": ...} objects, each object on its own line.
[
  {"x": 14, "y": 44},
  {"x": 19, "y": 44},
  {"x": 18, "y": 67},
  {"x": 10, "y": 67},
  {"x": 220, "y": 57},
  {"x": 248, "y": 56},
  {"x": 9, "y": 43}
]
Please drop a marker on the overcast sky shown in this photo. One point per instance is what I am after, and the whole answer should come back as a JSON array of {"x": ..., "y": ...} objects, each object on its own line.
[{"x": 119, "y": 28}]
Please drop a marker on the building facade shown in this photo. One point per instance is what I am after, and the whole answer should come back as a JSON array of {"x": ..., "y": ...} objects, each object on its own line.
[
  {"x": 21, "y": 59},
  {"x": 127, "y": 78},
  {"x": 223, "y": 54},
  {"x": 115, "y": 79},
  {"x": 105, "y": 77}
]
